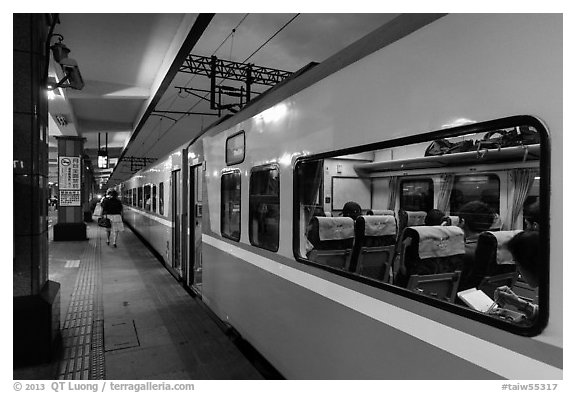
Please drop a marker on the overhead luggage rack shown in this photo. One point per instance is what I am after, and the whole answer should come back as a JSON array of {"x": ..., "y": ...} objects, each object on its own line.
[{"x": 482, "y": 156}]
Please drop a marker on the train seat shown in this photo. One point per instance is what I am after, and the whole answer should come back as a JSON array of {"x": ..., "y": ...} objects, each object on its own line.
[
  {"x": 443, "y": 286},
  {"x": 380, "y": 212},
  {"x": 410, "y": 219},
  {"x": 332, "y": 239},
  {"x": 451, "y": 220},
  {"x": 492, "y": 256},
  {"x": 374, "y": 246},
  {"x": 426, "y": 250}
]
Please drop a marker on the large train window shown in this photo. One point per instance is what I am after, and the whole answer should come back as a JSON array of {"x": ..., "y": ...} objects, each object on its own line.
[
  {"x": 482, "y": 187},
  {"x": 417, "y": 195},
  {"x": 264, "y": 209},
  {"x": 230, "y": 205},
  {"x": 487, "y": 182}
]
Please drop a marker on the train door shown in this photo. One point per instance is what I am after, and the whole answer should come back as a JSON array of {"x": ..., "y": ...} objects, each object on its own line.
[
  {"x": 176, "y": 220},
  {"x": 194, "y": 270}
]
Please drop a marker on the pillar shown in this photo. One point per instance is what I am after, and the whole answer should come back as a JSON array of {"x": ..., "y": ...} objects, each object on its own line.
[{"x": 36, "y": 300}]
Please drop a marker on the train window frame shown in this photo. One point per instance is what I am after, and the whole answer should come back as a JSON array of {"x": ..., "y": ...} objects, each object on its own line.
[
  {"x": 544, "y": 166},
  {"x": 262, "y": 168},
  {"x": 222, "y": 215},
  {"x": 229, "y": 140}
]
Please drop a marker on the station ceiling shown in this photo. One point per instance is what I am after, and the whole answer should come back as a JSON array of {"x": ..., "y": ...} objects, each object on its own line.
[{"x": 132, "y": 102}]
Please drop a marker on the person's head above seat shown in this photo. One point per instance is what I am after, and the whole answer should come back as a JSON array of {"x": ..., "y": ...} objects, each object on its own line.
[
  {"x": 475, "y": 217},
  {"x": 352, "y": 210}
]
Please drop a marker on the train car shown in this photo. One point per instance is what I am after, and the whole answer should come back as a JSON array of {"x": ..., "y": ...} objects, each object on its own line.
[{"x": 427, "y": 113}]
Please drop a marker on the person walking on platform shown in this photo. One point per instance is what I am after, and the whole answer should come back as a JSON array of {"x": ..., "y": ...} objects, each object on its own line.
[{"x": 112, "y": 208}]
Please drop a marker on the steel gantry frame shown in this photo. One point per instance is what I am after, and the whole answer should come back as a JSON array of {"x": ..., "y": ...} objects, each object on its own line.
[{"x": 250, "y": 74}]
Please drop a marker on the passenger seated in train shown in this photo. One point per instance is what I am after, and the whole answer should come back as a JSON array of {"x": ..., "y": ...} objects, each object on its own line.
[
  {"x": 475, "y": 218},
  {"x": 525, "y": 248},
  {"x": 532, "y": 217},
  {"x": 434, "y": 217},
  {"x": 351, "y": 209}
]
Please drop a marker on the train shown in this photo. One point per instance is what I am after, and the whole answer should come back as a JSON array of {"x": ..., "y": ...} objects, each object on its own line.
[{"x": 414, "y": 117}]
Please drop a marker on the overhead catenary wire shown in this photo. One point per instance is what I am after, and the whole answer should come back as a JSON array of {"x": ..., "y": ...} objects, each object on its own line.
[{"x": 222, "y": 81}]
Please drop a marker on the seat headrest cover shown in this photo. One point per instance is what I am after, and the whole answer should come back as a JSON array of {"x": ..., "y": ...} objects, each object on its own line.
[
  {"x": 454, "y": 220},
  {"x": 383, "y": 212},
  {"x": 335, "y": 228},
  {"x": 379, "y": 225},
  {"x": 416, "y": 218},
  {"x": 440, "y": 241},
  {"x": 503, "y": 255}
]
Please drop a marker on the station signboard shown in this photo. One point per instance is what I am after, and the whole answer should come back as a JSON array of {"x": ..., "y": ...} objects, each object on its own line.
[{"x": 69, "y": 180}]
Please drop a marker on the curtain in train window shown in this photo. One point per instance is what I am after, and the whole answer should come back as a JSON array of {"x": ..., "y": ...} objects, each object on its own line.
[
  {"x": 264, "y": 209},
  {"x": 309, "y": 177},
  {"x": 230, "y": 205},
  {"x": 522, "y": 180}
]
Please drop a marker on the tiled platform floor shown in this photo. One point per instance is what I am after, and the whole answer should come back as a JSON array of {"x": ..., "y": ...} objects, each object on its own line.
[{"x": 125, "y": 317}]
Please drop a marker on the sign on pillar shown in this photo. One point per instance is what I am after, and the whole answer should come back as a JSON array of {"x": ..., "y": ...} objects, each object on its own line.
[{"x": 70, "y": 224}]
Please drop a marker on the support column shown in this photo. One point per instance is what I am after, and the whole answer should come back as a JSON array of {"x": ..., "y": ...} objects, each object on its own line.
[
  {"x": 36, "y": 300},
  {"x": 70, "y": 224}
]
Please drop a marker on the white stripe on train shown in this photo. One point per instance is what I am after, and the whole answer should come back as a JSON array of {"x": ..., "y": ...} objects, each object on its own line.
[{"x": 499, "y": 360}]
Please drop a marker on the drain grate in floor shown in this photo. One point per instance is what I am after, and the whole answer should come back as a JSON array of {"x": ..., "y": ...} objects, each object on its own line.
[{"x": 120, "y": 334}]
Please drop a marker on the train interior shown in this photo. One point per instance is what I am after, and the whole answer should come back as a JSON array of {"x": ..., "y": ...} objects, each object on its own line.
[{"x": 408, "y": 232}]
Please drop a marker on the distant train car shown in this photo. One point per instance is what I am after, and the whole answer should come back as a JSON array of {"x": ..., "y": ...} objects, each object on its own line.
[{"x": 458, "y": 116}]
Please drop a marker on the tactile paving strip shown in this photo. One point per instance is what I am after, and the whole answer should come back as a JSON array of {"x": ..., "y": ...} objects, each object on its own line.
[{"x": 83, "y": 329}]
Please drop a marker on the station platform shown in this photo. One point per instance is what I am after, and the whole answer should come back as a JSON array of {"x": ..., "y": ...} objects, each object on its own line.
[{"x": 125, "y": 317}]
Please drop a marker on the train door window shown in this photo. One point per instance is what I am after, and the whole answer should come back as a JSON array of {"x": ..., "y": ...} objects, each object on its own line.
[
  {"x": 230, "y": 205},
  {"x": 147, "y": 197},
  {"x": 134, "y": 197},
  {"x": 417, "y": 195},
  {"x": 161, "y": 198},
  {"x": 477, "y": 187},
  {"x": 154, "y": 198},
  {"x": 140, "y": 196},
  {"x": 264, "y": 209}
]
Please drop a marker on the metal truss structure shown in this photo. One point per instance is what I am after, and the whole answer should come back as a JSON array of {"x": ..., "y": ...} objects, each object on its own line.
[{"x": 213, "y": 68}]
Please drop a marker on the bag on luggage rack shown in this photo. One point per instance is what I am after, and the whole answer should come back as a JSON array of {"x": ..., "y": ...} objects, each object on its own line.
[
  {"x": 438, "y": 147},
  {"x": 502, "y": 138},
  {"x": 442, "y": 146}
]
